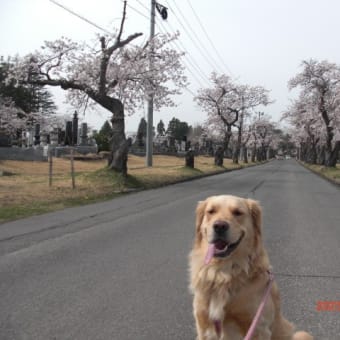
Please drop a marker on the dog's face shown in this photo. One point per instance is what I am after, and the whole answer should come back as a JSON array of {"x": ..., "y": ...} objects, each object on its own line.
[{"x": 229, "y": 223}]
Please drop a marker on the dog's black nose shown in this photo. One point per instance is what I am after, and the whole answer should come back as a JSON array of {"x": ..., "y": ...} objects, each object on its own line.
[{"x": 220, "y": 227}]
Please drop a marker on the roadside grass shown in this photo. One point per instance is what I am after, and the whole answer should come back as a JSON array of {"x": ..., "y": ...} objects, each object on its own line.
[
  {"x": 24, "y": 189},
  {"x": 330, "y": 173}
]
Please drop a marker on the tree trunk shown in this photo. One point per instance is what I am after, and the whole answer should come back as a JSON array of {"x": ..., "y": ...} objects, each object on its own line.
[
  {"x": 320, "y": 155},
  {"x": 260, "y": 153},
  {"x": 303, "y": 152},
  {"x": 245, "y": 154},
  {"x": 239, "y": 141},
  {"x": 313, "y": 153},
  {"x": 236, "y": 154},
  {"x": 227, "y": 138},
  {"x": 330, "y": 155},
  {"x": 119, "y": 145},
  {"x": 253, "y": 154},
  {"x": 263, "y": 153},
  {"x": 219, "y": 156},
  {"x": 331, "y": 162}
]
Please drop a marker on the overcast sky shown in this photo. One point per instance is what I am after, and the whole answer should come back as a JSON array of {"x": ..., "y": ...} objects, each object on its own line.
[{"x": 258, "y": 42}]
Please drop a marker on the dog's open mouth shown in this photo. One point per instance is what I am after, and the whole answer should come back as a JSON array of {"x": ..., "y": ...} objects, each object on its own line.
[{"x": 221, "y": 248}]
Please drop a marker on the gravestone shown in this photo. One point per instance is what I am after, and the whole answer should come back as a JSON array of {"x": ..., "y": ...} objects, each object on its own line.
[
  {"x": 219, "y": 156},
  {"x": 172, "y": 144},
  {"x": 44, "y": 139},
  {"x": 68, "y": 133},
  {"x": 190, "y": 159},
  {"x": 30, "y": 140},
  {"x": 37, "y": 134},
  {"x": 60, "y": 136},
  {"x": 54, "y": 137},
  {"x": 75, "y": 128},
  {"x": 5, "y": 139},
  {"x": 83, "y": 134},
  {"x": 23, "y": 139}
]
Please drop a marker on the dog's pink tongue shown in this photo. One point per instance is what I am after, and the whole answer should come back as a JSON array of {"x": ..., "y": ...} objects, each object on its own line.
[{"x": 210, "y": 253}]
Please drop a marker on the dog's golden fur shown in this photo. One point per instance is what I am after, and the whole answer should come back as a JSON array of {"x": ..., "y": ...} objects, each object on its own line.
[{"x": 230, "y": 289}]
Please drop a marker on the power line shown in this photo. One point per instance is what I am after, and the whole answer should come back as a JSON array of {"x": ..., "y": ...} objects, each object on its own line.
[
  {"x": 209, "y": 59},
  {"x": 210, "y": 41},
  {"x": 192, "y": 69},
  {"x": 142, "y": 5},
  {"x": 192, "y": 93},
  {"x": 194, "y": 33},
  {"x": 162, "y": 28},
  {"x": 188, "y": 68},
  {"x": 137, "y": 11},
  {"x": 189, "y": 58},
  {"x": 192, "y": 62},
  {"x": 201, "y": 51},
  {"x": 80, "y": 16}
]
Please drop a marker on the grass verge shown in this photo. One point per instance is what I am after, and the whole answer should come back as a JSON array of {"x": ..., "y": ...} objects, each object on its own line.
[
  {"x": 24, "y": 189},
  {"x": 331, "y": 174}
]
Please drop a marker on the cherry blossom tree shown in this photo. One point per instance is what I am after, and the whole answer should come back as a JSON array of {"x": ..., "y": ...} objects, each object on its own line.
[
  {"x": 250, "y": 97},
  {"x": 304, "y": 116},
  {"x": 229, "y": 103},
  {"x": 16, "y": 123},
  {"x": 12, "y": 118},
  {"x": 22, "y": 106},
  {"x": 246, "y": 137},
  {"x": 117, "y": 75},
  {"x": 214, "y": 129},
  {"x": 317, "y": 109},
  {"x": 218, "y": 102},
  {"x": 262, "y": 137}
]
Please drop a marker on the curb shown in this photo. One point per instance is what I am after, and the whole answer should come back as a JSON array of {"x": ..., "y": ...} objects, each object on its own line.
[{"x": 328, "y": 179}]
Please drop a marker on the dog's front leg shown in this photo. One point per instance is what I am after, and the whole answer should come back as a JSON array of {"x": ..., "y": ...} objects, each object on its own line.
[{"x": 204, "y": 326}]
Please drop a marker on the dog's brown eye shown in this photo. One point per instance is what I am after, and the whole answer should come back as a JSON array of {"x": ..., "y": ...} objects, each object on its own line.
[
  {"x": 237, "y": 212},
  {"x": 211, "y": 211}
]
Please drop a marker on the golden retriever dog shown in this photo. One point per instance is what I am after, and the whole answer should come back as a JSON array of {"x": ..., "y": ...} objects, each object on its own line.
[{"x": 229, "y": 286}]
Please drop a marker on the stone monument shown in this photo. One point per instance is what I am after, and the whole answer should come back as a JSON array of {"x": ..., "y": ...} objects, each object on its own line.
[
  {"x": 37, "y": 134},
  {"x": 83, "y": 134},
  {"x": 75, "y": 129},
  {"x": 68, "y": 133}
]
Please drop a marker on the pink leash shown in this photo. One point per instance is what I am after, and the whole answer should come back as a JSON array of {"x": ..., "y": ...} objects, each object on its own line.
[
  {"x": 252, "y": 328},
  {"x": 259, "y": 312}
]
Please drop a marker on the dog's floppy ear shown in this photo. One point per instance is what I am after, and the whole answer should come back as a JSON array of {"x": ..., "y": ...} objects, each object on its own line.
[
  {"x": 199, "y": 218},
  {"x": 256, "y": 215}
]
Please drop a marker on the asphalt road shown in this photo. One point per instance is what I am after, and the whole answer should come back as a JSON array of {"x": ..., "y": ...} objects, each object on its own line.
[{"x": 118, "y": 269}]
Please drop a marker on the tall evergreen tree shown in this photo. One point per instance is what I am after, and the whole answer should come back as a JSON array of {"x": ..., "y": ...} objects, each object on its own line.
[
  {"x": 177, "y": 129},
  {"x": 160, "y": 128},
  {"x": 103, "y": 137},
  {"x": 29, "y": 98},
  {"x": 141, "y": 133}
]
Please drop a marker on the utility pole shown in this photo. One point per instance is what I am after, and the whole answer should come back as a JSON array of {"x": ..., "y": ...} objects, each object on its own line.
[{"x": 149, "y": 130}]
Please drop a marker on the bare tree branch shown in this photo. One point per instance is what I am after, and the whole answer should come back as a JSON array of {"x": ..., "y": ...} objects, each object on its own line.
[{"x": 122, "y": 22}]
